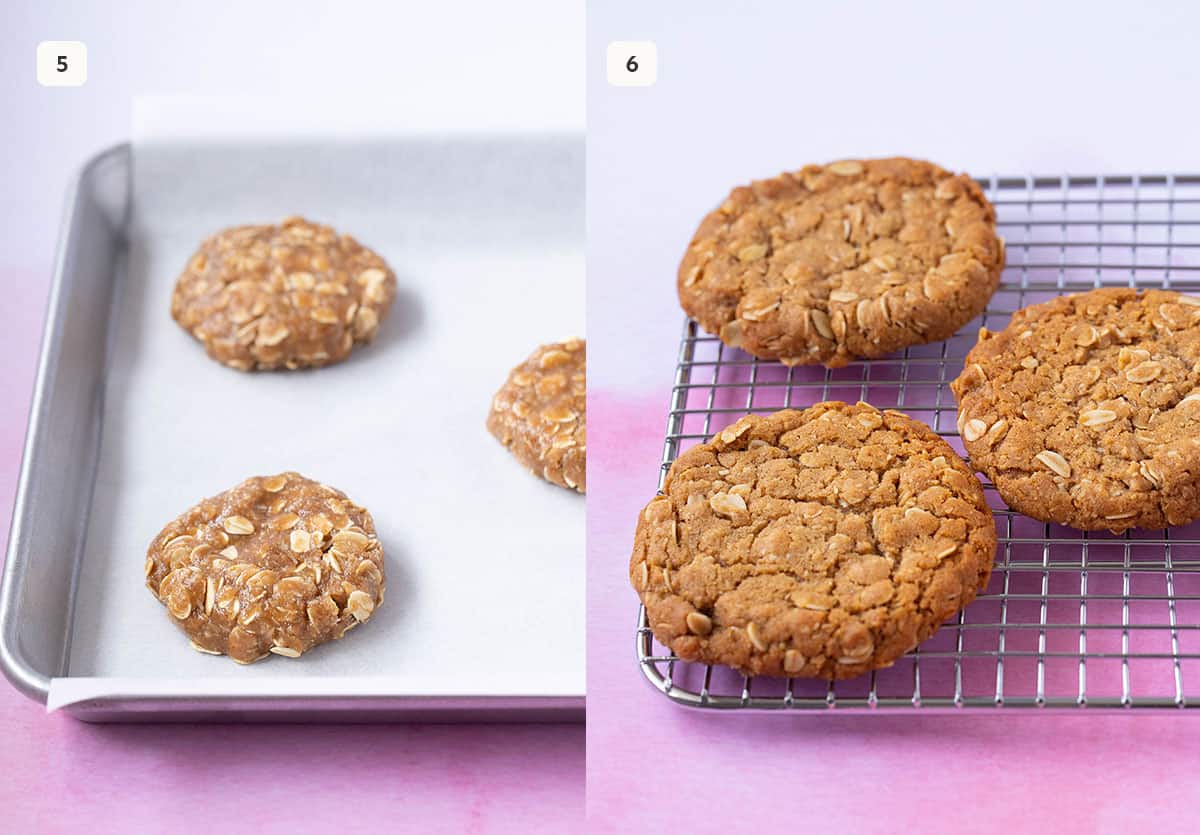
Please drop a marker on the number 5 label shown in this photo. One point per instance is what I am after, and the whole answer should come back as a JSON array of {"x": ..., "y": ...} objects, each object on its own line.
[
  {"x": 632, "y": 63},
  {"x": 61, "y": 63}
]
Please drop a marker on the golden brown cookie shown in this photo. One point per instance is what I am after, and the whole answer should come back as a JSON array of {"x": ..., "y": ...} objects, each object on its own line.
[
  {"x": 276, "y": 564},
  {"x": 296, "y": 295},
  {"x": 540, "y": 413},
  {"x": 855, "y": 259},
  {"x": 1085, "y": 410},
  {"x": 821, "y": 543}
]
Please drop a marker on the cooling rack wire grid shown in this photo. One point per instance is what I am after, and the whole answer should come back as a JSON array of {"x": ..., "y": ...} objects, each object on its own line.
[{"x": 1070, "y": 619}]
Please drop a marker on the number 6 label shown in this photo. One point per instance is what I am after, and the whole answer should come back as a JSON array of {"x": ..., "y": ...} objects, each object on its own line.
[{"x": 632, "y": 63}]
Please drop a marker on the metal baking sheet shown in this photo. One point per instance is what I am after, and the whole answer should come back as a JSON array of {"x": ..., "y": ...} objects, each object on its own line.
[{"x": 132, "y": 423}]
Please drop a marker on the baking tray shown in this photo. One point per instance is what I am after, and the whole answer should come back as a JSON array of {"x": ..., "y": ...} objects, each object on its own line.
[
  {"x": 131, "y": 423},
  {"x": 1070, "y": 619}
]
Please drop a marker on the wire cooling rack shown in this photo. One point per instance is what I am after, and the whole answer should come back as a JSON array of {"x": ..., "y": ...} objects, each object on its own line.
[{"x": 1069, "y": 619}]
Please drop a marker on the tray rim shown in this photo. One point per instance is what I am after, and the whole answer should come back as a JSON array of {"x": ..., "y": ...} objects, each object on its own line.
[
  {"x": 16, "y": 668},
  {"x": 263, "y": 706}
]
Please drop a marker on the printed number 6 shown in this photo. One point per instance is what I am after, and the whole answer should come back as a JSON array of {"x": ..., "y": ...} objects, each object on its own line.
[
  {"x": 632, "y": 64},
  {"x": 62, "y": 63}
]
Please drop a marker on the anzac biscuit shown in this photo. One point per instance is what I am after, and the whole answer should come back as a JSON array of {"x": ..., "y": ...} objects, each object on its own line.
[
  {"x": 1085, "y": 410},
  {"x": 540, "y": 413},
  {"x": 277, "y": 564},
  {"x": 296, "y": 295},
  {"x": 821, "y": 543},
  {"x": 855, "y": 259}
]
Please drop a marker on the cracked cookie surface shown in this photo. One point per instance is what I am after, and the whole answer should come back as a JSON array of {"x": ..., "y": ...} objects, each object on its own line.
[
  {"x": 855, "y": 259},
  {"x": 296, "y": 295},
  {"x": 1085, "y": 410},
  {"x": 277, "y": 564},
  {"x": 540, "y": 413},
  {"x": 821, "y": 543}
]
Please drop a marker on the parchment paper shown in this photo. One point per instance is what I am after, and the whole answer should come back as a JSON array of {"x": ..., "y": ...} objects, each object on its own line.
[{"x": 485, "y": 563}]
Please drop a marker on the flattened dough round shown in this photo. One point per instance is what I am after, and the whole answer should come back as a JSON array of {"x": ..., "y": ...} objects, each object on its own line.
[{"x": 277, "y": 564}]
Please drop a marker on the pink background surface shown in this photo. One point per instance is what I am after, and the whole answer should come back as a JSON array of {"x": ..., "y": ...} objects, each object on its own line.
[
  {"x": 1040, "y": 87},
  {"x": 60, "y": 775},
  {"x": 653, "y": 764},
  {"x": 747, "y": 91}
]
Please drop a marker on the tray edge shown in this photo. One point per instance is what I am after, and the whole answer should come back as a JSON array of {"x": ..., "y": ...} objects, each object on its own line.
[{"x": 30, "y": 681}]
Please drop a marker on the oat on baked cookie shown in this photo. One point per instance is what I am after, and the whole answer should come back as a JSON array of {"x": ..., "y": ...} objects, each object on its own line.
[
  {"x": 1085, "y": 410},
  {"x": 855, "y": 259},
  {"x": 821, "y": 543},
  {"x": 540, "y": 413},
  {"x": 296, "y": 295},
  {"x": 276, "y": 564}
]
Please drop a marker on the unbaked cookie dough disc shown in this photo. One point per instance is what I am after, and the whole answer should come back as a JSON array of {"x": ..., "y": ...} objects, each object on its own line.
[
  {"x": 821, "y": 543},
  {"x": 855, "y": 259},
  {"x": 277, "y": 564},
  {"x": 1085, "y": 410},
  {"x": 296, "y": 295},
  {"x": 540, "y": 413}
]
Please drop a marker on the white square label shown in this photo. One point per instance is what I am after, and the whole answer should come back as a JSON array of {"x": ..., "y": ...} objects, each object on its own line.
[
  {"x": 61, "y": 63},
  {"x": 632, "y": 63}
]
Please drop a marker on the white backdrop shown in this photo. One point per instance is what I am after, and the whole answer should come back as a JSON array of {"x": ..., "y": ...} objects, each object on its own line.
[
  {"x": 748, "y": 90},
  {"x": 452, "y": 62}
]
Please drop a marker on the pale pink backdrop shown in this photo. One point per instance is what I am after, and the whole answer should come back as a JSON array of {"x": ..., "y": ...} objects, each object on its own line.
[
  {"x": 653, "y": 766},
  {"x": 746, "y": 91},
  {"x": 57, "y": 775}
]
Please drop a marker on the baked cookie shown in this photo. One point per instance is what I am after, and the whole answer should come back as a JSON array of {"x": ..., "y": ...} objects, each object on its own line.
[
  {"x": 540, "y": 413},
  {"x": 821, "y": 543},
  {"x": 296, "y": 295},
  {"x": 1085, "y": 410},
  {"x": 855, "y": 259},
  {"x": 276, "y": 564}
]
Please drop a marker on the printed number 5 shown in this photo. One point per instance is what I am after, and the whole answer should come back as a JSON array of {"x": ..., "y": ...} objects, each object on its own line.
[
  {"x": 64, "y": 63},
  {"x": 632, "y": 64}
]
